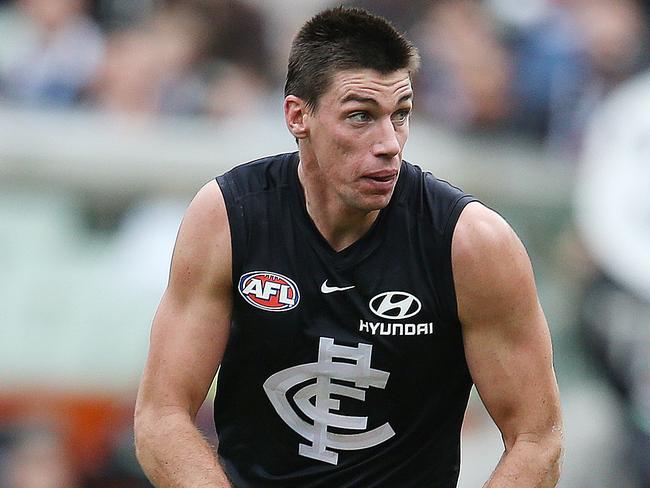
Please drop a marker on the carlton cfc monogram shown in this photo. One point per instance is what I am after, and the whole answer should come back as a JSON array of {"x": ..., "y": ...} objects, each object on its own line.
[{"x": 321, "y": 411}]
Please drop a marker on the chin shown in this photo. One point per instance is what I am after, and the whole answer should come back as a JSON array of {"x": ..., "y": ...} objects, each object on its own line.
[{"x": 375, "y": 203}]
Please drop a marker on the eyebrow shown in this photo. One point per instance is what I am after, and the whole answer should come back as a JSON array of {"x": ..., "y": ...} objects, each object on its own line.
[{"x": 352, "y": 97}]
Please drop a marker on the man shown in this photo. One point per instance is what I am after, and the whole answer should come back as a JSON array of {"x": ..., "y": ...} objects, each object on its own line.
[{"x": 350, "y": 300}]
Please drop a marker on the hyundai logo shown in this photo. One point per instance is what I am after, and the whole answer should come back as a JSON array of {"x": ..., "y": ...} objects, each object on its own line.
[{"x": 395, "y": 305}]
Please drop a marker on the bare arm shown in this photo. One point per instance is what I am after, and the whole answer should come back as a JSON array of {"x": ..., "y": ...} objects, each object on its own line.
[
  {"x": 508, "y": 348},
  {"x": 188, "y": 338}
]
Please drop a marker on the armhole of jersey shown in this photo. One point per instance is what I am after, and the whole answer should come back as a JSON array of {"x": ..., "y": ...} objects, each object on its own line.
[
  {"x": 236, "y": 222},
  {"x": 450, "y": 300}
]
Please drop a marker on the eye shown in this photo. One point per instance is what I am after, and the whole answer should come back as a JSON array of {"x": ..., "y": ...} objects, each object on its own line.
[
  {"x": 401, "y": 116},
  {"x": 359, "y": 117}
]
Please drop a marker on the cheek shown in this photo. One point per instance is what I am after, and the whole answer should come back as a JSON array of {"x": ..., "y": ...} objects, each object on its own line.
[
  {"x": 342, "y": 148},
  {"x": 403, "y": 134}
]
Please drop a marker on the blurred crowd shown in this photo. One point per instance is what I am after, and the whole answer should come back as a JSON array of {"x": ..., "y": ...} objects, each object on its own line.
[
  {"x": 535, "y": 68},
  {"x": 177, "y": 57}
]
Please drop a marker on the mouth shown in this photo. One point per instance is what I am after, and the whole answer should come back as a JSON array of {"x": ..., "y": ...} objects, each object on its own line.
[
  {"x": 384, "y": 176},
  {"x": 381, "y": 182}
]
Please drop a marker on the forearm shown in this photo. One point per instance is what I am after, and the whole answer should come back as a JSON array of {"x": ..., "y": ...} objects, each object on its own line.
[
  {"x": 529, "y": 463},
  {"x": 174, "y": 454}
]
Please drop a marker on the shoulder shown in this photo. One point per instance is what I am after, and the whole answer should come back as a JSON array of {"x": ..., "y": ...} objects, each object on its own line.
[
  {"x": 202, "y": 252},
  {"x": 206, "y": 212},
  {"x": 481, "y": 232},
  {"x": 491, "y": 269},
  {"x": 416, "y": 176},
  {"x": 257, "y": 175},
  {"x": 429, "y": 194}
]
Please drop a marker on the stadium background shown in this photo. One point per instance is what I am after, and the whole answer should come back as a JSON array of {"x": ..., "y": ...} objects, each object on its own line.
[{"x": 113, "y": 113}]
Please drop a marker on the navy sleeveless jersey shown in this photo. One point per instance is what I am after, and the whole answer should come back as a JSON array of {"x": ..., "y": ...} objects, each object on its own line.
[{"x": 343, "y": 369}]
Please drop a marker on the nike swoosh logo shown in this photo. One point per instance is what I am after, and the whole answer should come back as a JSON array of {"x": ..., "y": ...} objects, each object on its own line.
[{"x": 330, "y": 289}]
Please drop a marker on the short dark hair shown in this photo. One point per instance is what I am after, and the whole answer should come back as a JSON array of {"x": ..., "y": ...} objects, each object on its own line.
[{"x": 344, "y": 38}]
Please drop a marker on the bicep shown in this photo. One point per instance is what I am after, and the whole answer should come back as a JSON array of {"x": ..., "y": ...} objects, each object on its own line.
[
  {"x": 190, "y": 328},
  {"x": 506, "y": 338}
]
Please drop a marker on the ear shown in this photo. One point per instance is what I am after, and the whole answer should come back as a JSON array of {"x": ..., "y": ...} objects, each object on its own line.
[{"x": 295, "y": 111}]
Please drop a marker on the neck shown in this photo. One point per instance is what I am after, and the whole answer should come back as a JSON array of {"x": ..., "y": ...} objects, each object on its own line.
[{"x": 340, "y": 224}]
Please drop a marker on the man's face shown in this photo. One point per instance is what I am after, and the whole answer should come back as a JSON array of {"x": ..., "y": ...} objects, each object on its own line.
[{"x": 356, "y": 136}]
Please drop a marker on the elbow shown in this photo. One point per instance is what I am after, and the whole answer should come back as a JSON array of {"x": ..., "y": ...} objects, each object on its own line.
[
  {"x": 152, "y": 425},
  {"x": 556, "y": 451},
  {"x": 146, "y": 441},
  {"x": 552, "y": 454},
  {"x": 141, "y": 432},
  {"x": 138, "y": 438},
  {"x": 544, "y": 454}
]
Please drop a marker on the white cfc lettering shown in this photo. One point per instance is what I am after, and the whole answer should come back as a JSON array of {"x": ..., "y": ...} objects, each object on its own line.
[
  {"x": 267, "y": 289},
  {"x": 314, "y": 400}
]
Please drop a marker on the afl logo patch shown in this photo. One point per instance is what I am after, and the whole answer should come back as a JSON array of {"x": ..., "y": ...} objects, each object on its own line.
[{"x": 269, "y": 291}]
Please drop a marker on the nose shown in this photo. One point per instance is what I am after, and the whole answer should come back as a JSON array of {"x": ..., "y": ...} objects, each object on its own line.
[{"x": 387, "y": 144}]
